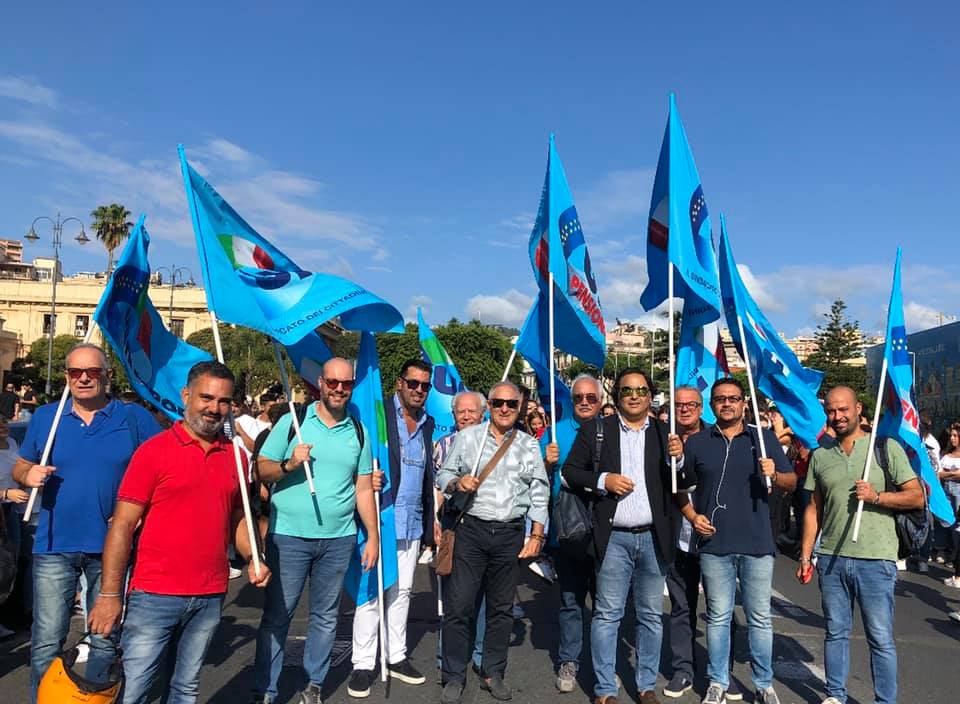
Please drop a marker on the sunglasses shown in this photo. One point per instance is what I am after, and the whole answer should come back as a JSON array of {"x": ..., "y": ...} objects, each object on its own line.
[
  {"x": 93, "y": 373},
  {"x": 720, "y": 400},
  {"x": 332, "y": 384},
  {"x": 511, "y": 403},
  {"x": 412, "y": 384},
  {"x": 683, "y": 405},
  {"x": 628, "y": 391},
  {"x": 589, "y": 398}
]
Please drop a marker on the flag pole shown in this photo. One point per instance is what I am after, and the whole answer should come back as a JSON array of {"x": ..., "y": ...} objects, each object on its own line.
[
  {"x": 672, "y": 365},
  {"x": 513, "y": 356},
  {"x": 293, "y": 412},
  {"x": 244, "y": 495},
  {"x": 553, "y": 365},
  {"x": 35, "y": 491},
  {"x": 383, "y": 625},
  {"x": 873, "y": 442},
  {"x": 753, "y": 396}
]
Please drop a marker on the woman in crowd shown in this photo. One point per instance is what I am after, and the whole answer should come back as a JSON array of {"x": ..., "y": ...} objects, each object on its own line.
[{"x": 950, "y": 477}]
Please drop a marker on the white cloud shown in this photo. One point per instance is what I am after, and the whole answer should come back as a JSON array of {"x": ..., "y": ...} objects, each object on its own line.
[
  {"x": 27, "y": 90},
  {"x": 618, "y": 197},
  {"x": 508, "y": 308},
  {"x": 920, "y": 317},
  {"x": 758, "y": 290},
  {"x": 228, "y": 151},
  {"x": 421, "y": 301},
  {"x": 521, "y": 223}
]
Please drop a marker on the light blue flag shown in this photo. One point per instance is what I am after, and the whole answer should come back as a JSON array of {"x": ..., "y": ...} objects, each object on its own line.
[
  {"x": 252, "y": 283},
  {"x": 308, "y": 356},
  {"x": 446, "y": 381},
  {"x": 901, "y": 420},
  {"x": 557, "y": 245},
  {"x": 533, "y": 345},
  {"x": 155, "y": 360},
  {"x": 777, "y": 372},
  {"x": 701, "y": 360},
  {"x": 679, "y": 232},
  {"x": 366, "y": 404}
]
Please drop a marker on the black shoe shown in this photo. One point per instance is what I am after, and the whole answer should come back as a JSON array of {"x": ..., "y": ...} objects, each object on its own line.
[
  {"x": 451, "y": 693},
  {"x": 498, "y": 690},
  {"x": 734, "y": 693},
  {"x": 678, "y": 686},
  {"x": 359, "y": 684},
  {"x": 405, "y": 672},
  {"x": 311, "y": 695}
]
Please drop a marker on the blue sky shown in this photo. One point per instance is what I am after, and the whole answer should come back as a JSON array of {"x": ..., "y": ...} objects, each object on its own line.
[{"x": 403, "y": 145}]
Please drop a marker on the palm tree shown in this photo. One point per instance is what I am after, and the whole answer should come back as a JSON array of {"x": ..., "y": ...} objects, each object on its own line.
[{"x": 112, "y": 228}]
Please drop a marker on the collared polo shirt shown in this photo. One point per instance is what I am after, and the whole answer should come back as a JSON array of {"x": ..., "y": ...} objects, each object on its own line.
[
  {"x": 834, "y": 472},
  {"x": 78, "y": 499},
  {"x": 408, "y": 498},
  {"x": 336, "y": 459},
  {"x": 189, "y": 495}
]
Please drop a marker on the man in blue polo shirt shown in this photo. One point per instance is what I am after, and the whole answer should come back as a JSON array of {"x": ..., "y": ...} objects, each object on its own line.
[
  {"x": 94, "y": 442},
  {"x": 731, "y": 514}
]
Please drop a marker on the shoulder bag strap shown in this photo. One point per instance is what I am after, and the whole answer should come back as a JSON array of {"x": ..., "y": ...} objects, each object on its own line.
[{"x": 488, "y": 469}]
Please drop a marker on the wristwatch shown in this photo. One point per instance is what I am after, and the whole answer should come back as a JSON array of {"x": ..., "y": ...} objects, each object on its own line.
[{"x": 283, "y": 466}]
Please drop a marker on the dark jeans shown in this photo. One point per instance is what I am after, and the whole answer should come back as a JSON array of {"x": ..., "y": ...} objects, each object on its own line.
[
  {"x": 485, "y": 554},
  {"x": 576, "y": 576}
]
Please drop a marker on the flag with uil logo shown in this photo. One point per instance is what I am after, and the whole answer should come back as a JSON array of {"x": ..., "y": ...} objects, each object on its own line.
[{"x": 446, "y": 380}]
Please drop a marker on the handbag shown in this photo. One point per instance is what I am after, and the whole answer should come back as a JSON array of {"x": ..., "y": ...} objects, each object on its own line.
[
  {"x": 572, "y": 515},
  {"x": 444, "y": 561}
]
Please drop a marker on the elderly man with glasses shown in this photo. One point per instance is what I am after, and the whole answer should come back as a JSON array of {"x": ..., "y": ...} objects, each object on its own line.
[
  {"x": 490, "y": 536},
  {"x": 731, "y": 514}
]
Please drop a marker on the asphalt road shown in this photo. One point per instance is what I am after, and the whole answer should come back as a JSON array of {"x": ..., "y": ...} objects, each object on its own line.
[{"x": 927, "y": 643}]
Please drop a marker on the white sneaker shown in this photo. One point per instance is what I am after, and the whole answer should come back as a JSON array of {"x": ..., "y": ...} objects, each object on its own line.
[
  {"x": 426, "y": 557},
  {"x": 955, "y": 615},
  {"x": 83, "y": 652},
  {"x": 831, "y": 700},
  {"x": 901, "y": 565},
  {"x": 235, "y": 572},
  {"x": 952, "y": 582}
]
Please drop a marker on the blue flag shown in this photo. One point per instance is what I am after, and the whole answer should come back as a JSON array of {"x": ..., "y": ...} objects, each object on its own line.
[
  {"x": 366, "y": 404},
  {"x": 446, "y": 381},
  {"x": 533, "y": 345},
  {"x": 901, "y": 419},
  {"x": 252, "y": 283},
  {"x": 557, "y": 246},
  {"x": 679, "y": 232},
  {"x": 155, "y": 360},
  {"x": 308, "y": 357},
  {"x": 777, "y": 372},
  {"x": 701, "y": 360}
]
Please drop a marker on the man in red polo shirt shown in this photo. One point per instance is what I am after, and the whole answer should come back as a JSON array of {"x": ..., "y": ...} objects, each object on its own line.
[{"x": 183, "y": 485}]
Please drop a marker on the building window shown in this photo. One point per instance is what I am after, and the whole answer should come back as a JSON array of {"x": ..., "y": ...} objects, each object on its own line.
[
  {"x": 47, "y": 323},
  {"x": 176, "y": 327},
  {"x": 81, "y": 324}
]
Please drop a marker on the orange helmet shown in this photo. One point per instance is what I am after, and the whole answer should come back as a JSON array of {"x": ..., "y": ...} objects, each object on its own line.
[{"x": 61, "y": 684}]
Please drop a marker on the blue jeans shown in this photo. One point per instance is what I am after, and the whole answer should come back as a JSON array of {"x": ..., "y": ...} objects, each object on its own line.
[
  {"x": 631, "y": 559},
  {"x": 151, "y": 622},
  {"x": 325, "y": 562},
  {"x": 56, "y": 580},
  {"x": 870, "y": 583},
  {"x": 720, "y": 573}
]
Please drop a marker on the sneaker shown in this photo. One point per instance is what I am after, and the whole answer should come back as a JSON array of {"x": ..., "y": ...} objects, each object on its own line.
[
  {"x": 311, "y": 695},
  {"x": 714, "y": 695},
  {"x": 831, "y": 700},
  {"x": 952, "y": 582},
  {"x": 260, "y": 699},
  {"x": 359, "y": 685},
  {"x": 405, "y": 672},
  {"x": 678, "y": 686},
  {"x": 498, "y": 690},
  {"x": 955, "y": 615},
  {"x": 451, "y": 693},
  {"x": 235, "y": 572},
  {"x": 567, "y": 677},
  {"x": 766, "y": 696},
  {"x": 733, "y": 693},
  {"x": 426, "y": 557},
  {"x": 939, "y": 560},
  {"x": 901, "y": 565}
]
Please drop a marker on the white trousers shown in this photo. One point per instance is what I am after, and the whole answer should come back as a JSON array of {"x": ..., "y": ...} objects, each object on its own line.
[{"x": 366, "y": 621}]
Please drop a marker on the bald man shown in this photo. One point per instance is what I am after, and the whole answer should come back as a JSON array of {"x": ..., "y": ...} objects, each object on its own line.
[{"x": 313, "y": 537}]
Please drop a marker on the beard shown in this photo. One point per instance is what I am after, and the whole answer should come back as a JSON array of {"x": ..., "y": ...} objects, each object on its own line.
[{"x": 203, "y": 425}]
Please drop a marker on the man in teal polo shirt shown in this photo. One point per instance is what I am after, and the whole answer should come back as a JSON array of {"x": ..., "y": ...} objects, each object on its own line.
[{"x": 313, "y": 536}]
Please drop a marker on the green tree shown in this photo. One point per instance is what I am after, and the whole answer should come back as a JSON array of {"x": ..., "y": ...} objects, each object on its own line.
[
  {"x": 37, "y": 359},
  {"x": 112, "y": 226},
  {"x": 838, "y": 339},
  {"x": 250, "y": 356}
]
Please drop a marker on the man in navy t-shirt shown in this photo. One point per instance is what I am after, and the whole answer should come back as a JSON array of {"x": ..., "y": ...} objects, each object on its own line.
[
  {"x": 732, "y": 517},
  {"x": 94, "y": 442}
]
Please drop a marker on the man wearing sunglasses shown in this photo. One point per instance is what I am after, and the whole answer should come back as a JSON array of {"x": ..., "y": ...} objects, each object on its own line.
[
  {"x": 732, "y": 516},
  {"x": 94, "y": 441},
  {"x": 490, "y": 539},
  {"x": 633, "y": 528},
  {"x": 574, "y": 571},
  {"x": 409, "y": 437}
]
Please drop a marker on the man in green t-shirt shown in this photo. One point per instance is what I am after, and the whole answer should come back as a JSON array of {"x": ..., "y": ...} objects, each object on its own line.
[{"x": 864, "y": 571}]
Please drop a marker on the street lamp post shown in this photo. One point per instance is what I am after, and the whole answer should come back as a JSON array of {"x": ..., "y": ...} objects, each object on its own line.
[
  {"x": 175, "y": 271},
  {"x": 32, "y": 237}
]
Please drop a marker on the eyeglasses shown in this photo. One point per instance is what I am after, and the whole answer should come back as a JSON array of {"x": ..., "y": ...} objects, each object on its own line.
[
  {"x": 589, "y": 398},
  {"x": 720, "y": 400},
  {"x": 682, "y": 405},
  {"x": 332, "y": 384},
  {"x": 628, "y": 391},
  {"x": 511, "y": 403},
  {"x": 93, "y": 373},
  {"x": 412, "y": 384}
]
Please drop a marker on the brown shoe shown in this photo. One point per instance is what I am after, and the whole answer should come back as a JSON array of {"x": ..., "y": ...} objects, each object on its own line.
[
  {"x": 606, "y": 699},
  {"x": 649, "y": 697}
]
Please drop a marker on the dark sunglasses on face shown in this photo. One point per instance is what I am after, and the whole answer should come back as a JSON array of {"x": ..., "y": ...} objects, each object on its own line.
[
  {"x": 589, "y": 398},
  {"x": 332, "y": 384},
  {"x": 682, "y": 405},
  {"x": 511, "y": 403},
  {"x": 412, "y": 384},
  {"x": 641, "y": 391},
  {"x": 720, "y": 400},
  {"x": 93, "y": 373}
]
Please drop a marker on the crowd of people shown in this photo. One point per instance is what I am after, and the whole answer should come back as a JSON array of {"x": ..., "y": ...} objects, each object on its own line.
[{"x": 140, "y": 520}]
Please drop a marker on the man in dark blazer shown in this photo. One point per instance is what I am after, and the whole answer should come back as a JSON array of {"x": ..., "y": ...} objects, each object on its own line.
[
  {"x": 633, "y": 528},
  {"x": 410, "y": 440}
]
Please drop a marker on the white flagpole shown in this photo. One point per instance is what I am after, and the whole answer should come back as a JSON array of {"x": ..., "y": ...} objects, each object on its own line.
[
  {"x": 873, "y": 441},
  {"x": 553, "y": 365},
  {"x": 244, "y": 496},
  {"x": 380, "y": 609},
  {"x": 513, "y": 356},
  {"x": 753, "y": 396},
  {"x": 293, "y": 412},
  {"x": 35, "y": 491},
  {"x": 673, "y": 414}
]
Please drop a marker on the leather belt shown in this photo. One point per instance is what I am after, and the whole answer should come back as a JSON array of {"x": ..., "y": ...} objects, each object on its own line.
[{"x": 632, "y": 529}]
